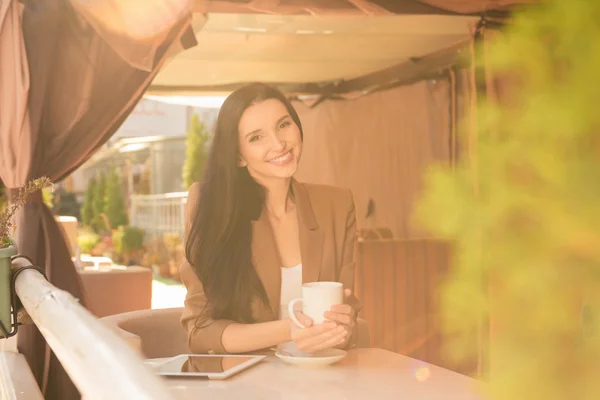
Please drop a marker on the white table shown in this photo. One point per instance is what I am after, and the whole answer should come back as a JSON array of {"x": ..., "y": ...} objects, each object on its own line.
[{"x": 365, "y": 374}]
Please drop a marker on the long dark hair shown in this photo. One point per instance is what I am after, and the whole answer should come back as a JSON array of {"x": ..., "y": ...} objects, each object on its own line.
[{"x": 219, "y": 242}]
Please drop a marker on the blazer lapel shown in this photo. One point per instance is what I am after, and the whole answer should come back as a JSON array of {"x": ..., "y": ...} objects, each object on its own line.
[
  {"x": 311, "y": 237},
  {"x": 266, "y": 256},
  {"x": 267, "y": 261}
]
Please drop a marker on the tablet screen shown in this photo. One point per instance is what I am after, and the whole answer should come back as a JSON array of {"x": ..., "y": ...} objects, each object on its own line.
[{"x": 201, "y": 364}]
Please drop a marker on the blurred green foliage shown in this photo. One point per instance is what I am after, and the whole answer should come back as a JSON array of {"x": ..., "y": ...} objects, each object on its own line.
[
  {"x": 99, "y": 221},
  {"x": 196, "y": 154},
  {"x": 87, "y": 241},
  {"x": 127, "y": 239},
  {"x": 87, "y": 210},
  {"x": 3, "y": 198},
  {"x": 114, "y": 200},
  {"x": 524, "y": 213}
]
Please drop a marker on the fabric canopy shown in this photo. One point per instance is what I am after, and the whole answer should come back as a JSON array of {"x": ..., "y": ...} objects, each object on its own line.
[
  {"x": 475, "y": 6},
  {"x": 379, "y": 146},
  {"x": 65, "y": 88},
  {"x": 301, "y": 49},
  {"x": 311, "y": 46}
]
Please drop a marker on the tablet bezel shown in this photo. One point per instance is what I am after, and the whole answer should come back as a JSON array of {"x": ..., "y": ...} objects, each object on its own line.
[{"x": 253, "y": 359}]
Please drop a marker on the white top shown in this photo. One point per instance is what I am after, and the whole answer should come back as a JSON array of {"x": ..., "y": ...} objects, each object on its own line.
[{"x": 291, "y": 288}]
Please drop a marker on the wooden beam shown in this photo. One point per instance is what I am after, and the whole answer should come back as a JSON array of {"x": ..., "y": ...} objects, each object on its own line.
[
  {"x": 404, "y": 72},
  {"x": 425, "y": 8},
  {"x": 408, "y": 72},
  {"x": 370, "y": 8},
  {"x": 326, "y": 7},
  {"x": 277, "y": 7},
  {"x": 305, "y": 88}
]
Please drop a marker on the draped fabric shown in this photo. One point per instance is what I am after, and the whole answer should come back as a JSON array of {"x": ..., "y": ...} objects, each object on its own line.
[
  {"x": 379, "y": 146},
  {"x": 70, "y": 73}
]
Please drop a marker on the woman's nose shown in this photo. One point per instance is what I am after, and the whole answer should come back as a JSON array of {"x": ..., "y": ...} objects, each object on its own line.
[{"x": 277, "y": 143}]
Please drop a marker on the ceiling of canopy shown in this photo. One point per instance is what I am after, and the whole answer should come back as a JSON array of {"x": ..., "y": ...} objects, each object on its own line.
[{"x": 296, "y": 44}]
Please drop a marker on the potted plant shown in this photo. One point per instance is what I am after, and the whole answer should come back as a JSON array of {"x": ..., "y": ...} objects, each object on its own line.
[{"x": 8, "y": 248}]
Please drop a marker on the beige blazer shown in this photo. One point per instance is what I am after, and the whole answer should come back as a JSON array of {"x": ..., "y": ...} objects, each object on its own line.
[{"x": 327, "y": 224}]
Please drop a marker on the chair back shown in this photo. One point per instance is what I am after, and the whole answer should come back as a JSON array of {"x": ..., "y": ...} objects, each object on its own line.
[{"x": 153, "y": 333}]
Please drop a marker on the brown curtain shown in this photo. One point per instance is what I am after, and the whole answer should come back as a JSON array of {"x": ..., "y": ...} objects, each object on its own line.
[
  {"x": 64, "y": 91},
  {"x": 474, "y": 6},
  {"x": 379, "y": 146}
]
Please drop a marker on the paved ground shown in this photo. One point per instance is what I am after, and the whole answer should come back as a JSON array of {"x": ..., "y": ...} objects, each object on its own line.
[{"x": 167, "y": 293}]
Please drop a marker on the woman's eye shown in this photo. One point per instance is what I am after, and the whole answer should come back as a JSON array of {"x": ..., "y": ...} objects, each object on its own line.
[
  {"x": 284, "y": 124},
  {"x": 254, "y": 138}
]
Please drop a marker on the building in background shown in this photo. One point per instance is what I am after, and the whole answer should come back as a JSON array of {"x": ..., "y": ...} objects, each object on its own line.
[{"x": 148, "y": 149}]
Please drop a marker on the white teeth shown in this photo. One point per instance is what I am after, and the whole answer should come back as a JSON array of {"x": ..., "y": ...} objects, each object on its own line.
[{"x": 282, "y": 158}]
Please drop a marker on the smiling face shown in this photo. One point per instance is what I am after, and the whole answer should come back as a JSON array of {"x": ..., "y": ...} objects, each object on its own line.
[{"x": 270, "y": 141}]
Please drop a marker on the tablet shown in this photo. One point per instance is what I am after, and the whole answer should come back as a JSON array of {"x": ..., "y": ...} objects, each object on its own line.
[{"x": 212, "y": 366}]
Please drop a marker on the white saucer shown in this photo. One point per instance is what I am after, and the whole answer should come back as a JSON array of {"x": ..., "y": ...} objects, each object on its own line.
[{"x": 320, "y": 359}]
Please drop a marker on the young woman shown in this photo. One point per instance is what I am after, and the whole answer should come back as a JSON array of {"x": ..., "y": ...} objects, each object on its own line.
[{"x": 254, "y": 234}]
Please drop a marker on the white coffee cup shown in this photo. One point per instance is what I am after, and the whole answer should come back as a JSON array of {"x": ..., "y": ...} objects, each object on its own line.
[{"x": 317, "y": 298}]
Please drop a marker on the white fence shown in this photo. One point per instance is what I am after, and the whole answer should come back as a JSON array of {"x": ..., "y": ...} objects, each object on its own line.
[
  {"x": 98, "y": 361},
  {"x": 158, "y": 214}
]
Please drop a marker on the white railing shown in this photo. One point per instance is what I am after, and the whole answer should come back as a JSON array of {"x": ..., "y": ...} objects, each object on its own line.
[
  {"x": 98, "y": 361},
  {"x": 158, "y": 214}
]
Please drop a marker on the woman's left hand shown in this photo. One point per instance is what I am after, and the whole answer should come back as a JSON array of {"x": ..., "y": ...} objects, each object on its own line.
[{"x": 343, "y": 314}]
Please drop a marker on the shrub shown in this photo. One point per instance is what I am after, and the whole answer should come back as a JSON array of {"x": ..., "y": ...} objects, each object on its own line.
[
  {"x": 65, "y": 203},
  {"x": 99, "y": 203},
  {"x": 87, "y": 211},
  {"x": 115, "y": 200},
  {"x": 87, "y": 241},
  {"x": 127, "y": 239},
  {"x": 196, "y": 154}
]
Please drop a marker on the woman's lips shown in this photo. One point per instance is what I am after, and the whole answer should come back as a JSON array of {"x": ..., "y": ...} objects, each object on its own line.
[{"x": 282, "y": 160}]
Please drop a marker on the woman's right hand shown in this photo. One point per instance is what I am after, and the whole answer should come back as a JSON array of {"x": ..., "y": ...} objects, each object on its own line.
[{"x": 318, "y": 337}]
